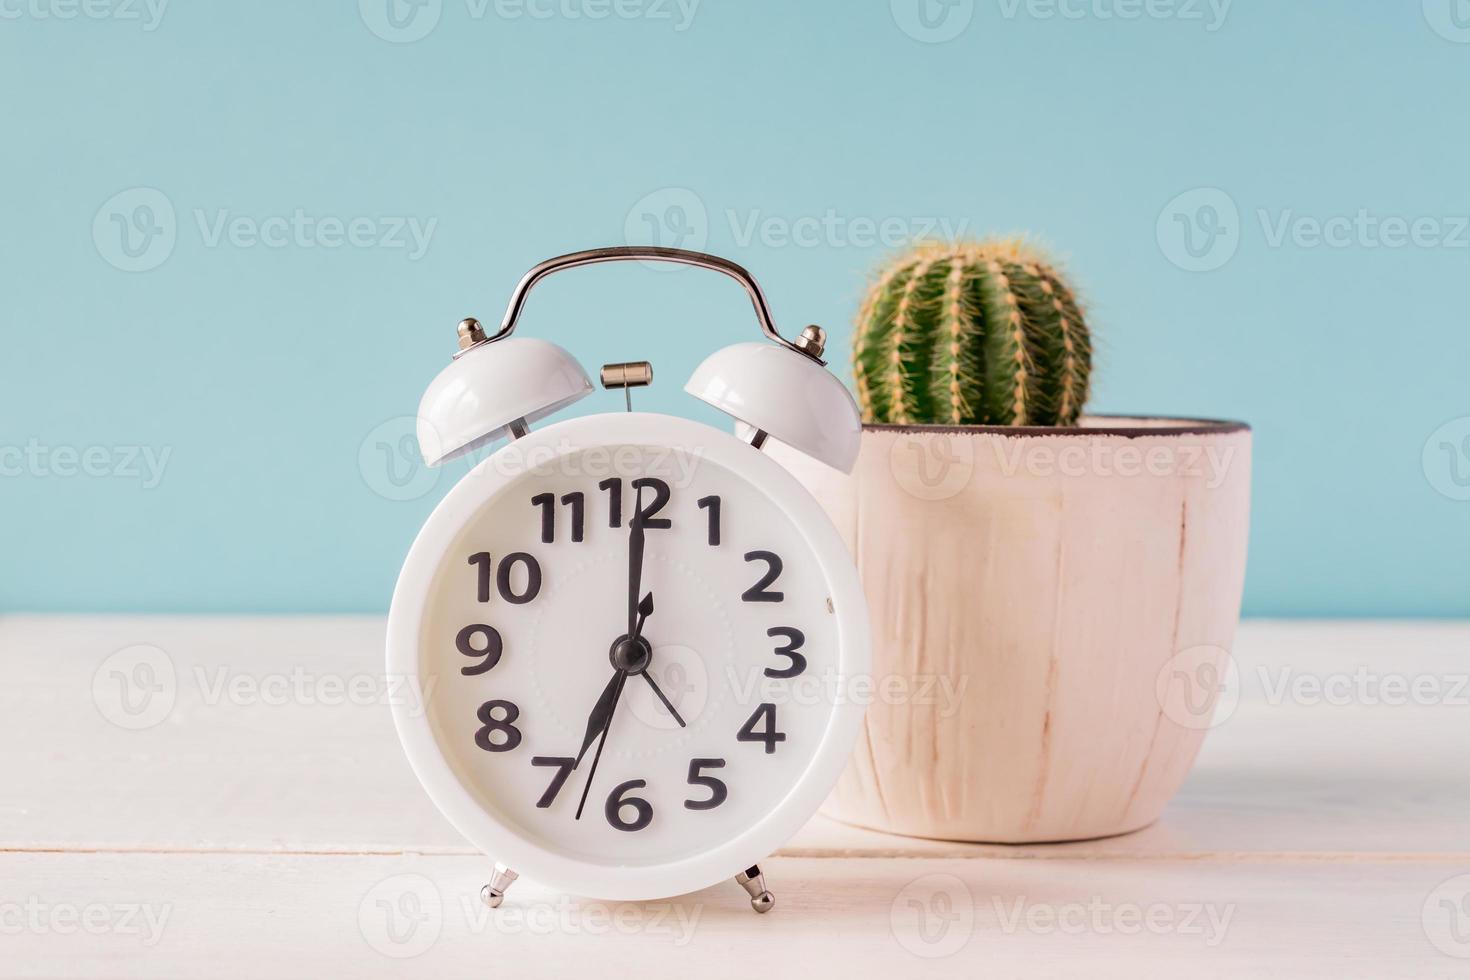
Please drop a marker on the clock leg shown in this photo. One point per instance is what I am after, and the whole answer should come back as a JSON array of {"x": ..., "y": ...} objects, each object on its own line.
[
  {"x": 494, "y": 893},
  {"x": 754, "y": 883}
]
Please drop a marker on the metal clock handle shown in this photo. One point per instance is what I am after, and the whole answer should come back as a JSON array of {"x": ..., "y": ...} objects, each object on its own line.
[{"x": 809, "y": 343}]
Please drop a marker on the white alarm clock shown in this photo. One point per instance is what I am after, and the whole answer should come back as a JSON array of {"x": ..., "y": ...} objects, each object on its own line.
[{"x": 637, "y": 634}]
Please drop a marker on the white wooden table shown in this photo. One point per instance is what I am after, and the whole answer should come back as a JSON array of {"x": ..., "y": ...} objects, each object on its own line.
[{"x": 258, "y": 820}]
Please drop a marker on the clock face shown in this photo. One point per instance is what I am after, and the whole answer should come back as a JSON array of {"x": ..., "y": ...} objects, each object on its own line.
[{"x": 630, "y": 651}]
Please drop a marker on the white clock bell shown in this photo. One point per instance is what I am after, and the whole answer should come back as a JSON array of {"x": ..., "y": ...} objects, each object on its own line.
[{"x": 639, "y": 630}]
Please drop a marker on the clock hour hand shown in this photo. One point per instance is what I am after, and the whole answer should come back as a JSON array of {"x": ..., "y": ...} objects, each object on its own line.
[
  {"x": 601, "y": 714},
  {"x": 619, "y": 678}
]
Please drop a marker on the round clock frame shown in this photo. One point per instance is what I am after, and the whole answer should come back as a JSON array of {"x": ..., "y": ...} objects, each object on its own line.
[{"x": 506, "y": 844}]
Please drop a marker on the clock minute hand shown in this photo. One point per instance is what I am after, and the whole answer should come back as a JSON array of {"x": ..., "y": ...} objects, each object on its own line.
[{"x": 635, "y": 561}]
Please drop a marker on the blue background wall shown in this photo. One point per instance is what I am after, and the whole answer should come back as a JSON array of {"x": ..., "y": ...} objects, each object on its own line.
[{"x": 272, "y": 374}]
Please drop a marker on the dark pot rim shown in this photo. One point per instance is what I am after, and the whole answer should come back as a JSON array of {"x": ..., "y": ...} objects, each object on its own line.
[{"x": 1166, "y": 425}]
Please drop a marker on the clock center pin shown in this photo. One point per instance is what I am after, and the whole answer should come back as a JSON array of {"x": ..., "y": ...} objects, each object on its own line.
[{"x": 630, "y": 653}]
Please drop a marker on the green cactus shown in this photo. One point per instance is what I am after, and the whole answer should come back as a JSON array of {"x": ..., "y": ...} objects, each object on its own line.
[{"x": 974, "y": 333}]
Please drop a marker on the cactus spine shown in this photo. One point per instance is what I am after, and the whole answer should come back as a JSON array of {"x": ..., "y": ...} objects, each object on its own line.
[{"x": 975, "y": 333}]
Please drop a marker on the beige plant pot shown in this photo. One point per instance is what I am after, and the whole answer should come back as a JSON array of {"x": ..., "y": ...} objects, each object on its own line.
[{"x": 1052, "y": 611}]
